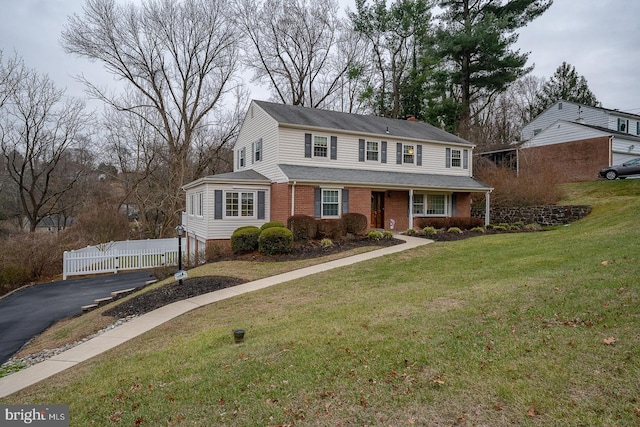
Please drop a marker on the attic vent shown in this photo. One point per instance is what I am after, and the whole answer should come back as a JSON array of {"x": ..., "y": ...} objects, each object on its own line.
[{"x": 560, "y": 106}]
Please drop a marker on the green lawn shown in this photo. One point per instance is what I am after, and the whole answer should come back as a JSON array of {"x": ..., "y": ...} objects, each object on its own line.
[{"x": 513, "y": 329}]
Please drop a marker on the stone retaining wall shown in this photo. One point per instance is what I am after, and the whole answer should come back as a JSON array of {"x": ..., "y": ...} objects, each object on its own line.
[{"x": 543, "y": 215}]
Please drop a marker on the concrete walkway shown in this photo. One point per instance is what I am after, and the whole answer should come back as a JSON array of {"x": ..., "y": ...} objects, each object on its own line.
[{"x": 139, "y": 325}]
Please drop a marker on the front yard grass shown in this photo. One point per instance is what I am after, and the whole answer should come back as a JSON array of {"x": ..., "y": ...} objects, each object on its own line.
[{"x": 530, "y": 329}]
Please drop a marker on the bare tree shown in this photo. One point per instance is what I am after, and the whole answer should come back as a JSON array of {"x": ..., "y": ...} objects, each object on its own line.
[
  {"x": 297, "y": 47},
  {"x": 39, "y": 130},
  {"x": 181, "y": 58}
]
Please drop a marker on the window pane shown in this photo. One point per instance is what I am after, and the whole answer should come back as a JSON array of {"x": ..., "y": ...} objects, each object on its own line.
[
  {"x": 258, "y": 154},
  {"x": 435, "y": 204},
  {"x": 330, "y": 205},
  {"x": 408, "y": 154},
  {"x": 372, "y": 150},
  {"x": 232, "y": 204},
  {"x": 247, "y": 204},
  {"x": 418, "y": 204},
  {"x": 320, "y": 146},
  {"x": 455, "y": 158}
]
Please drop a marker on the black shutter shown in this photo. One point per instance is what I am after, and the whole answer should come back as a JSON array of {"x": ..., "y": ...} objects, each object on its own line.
[
  {"x": 419, "y": 155},
  {"x": 345, "y": 201},
  {"x": 465, "y": 159},
  {"x": 317, "y": 202},
  {"x": 361, "y": 150},
  {"x": 260, "y": 204},
  {"x": 448, "y": 161},
  {"x": 399, "y": 153},
  {"x": 307, "y": 145},
  {"x": 217, "y": 202},
  {"x": 334, "y": 147},
  {"x": 253, "y": 152},
  {"x": 383, "y": 153}
]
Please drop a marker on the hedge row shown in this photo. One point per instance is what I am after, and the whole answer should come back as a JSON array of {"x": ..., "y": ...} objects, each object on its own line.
[
  {"x": 305, "y": 227},
  {"x": 463, "y": 223}
]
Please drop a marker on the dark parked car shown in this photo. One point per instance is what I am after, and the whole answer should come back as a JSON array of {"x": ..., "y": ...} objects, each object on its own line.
[{"x": 628, "y": 168}]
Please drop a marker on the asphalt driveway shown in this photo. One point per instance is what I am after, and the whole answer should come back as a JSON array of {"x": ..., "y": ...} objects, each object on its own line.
[{"x": 29, "y": 311}]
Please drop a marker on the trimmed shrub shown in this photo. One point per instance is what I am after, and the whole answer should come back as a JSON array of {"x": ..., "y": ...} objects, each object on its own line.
[
  {"x": 271, "y": 224},
  {"x": 331, "y": 228},
  {"x": 454, "y": 230},
  {"x": 410, "y": 232},
  {"x": 245, "y": 239},
  {"x": 430, "y": 230},
  {"x": 463, "y": 223},
  {"x": 477, "y": 229},
  {"x": 275, "y": 240},
  {"x": 355, "y": 223},
  {"x": 303, "y": 227},
  {"x": 326, "y": 243},
  {"x": 387, "y": 234},
  {"x": 374, "y": 235}
]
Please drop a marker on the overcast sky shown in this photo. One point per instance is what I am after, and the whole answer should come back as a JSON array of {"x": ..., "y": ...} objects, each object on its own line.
[{"x": 601, "y": 38}]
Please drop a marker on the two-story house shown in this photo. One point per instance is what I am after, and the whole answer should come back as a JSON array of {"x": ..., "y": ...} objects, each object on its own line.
[
  {"x": 575, "y": 141},
  {"x": 292, "y": 160}
]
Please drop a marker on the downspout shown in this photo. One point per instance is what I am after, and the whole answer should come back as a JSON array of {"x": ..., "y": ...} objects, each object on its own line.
[
  {"x": 410, "y": 208},
  {"x": 611, "y": 150},
  {"x": 293, "y": 198},
  {"x": 487, "y": 199}
]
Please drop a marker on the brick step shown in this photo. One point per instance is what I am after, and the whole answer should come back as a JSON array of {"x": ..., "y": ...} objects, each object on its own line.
[
  {"x": 102, "y": 300},
  {"x": 116, "y": 294},
  {"x": 88, "y": 307}
]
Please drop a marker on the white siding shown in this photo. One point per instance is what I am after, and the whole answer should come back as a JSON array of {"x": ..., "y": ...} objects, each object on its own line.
[
  {"x": 562, "y": 131},
  {"x": 632, "y": 127},
  {"x": 433, "y": 155},
  {"x": 207, "y": 227},
  {"x": 258, "y": 124},
  {"x": 569, "y": 112}
]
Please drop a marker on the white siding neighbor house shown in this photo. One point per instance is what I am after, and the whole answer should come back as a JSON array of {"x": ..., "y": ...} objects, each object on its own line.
[
  {"x": 578, "y": 140},
  {"x": 291, "y": 160}
]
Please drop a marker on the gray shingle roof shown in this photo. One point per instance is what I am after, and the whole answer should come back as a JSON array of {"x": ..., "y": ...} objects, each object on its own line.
[
  {"x": 312, "y": 117},
  {"x": 245, "y": 176},
  {"x": 307, "y": 174}
]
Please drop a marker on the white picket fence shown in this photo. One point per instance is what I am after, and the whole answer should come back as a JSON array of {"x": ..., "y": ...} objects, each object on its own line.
[{"x": 136, "y": 255}]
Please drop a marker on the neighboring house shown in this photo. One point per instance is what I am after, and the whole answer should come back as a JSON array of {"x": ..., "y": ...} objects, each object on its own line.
[
  {"x": 575, "y": 141},
  {"x": 294, "y": 160}
]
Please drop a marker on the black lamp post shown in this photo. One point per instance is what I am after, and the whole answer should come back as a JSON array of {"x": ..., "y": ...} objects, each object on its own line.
[{"x": 180, "y": 232}]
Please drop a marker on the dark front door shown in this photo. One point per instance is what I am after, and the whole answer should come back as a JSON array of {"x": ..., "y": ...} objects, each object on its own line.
[{"x": 377, "y": 209}]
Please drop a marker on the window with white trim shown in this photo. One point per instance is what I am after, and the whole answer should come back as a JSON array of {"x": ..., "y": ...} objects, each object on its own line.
[
  {"x": 241, "y": 158},
  {"x": 408, "y": 153},
  {"x": 257, "y": 150},
  {"x": 430, "y": 204},
  {"x": 320, "y": 146},
  {"x": 199, "y": 204},
  {"x": 330, "y": 203},
  {"x": 456, "y": 158},
  {"x": 192, "y": 204},
  {"x": 239, "y": 204},
  {"x": 373, "y": 151}
]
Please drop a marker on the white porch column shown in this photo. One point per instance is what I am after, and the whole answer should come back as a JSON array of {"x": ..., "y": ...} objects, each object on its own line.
[
  {"x": 410, "y": 208},
  {"x": 487, "y": 198}
]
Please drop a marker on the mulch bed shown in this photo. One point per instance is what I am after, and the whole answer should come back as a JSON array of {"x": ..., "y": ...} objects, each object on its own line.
[{"x": 173, "y": 292}]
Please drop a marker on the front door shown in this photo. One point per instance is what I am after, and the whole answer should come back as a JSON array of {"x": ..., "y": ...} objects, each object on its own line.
[{"x": 377, "y": 209}]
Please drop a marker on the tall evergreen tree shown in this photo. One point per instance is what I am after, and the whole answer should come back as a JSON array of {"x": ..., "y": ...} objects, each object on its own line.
[
  {"x": 475, "y": 40},
  {"x": 396, "y": 35},
  {"x": 565, "y": 84}
]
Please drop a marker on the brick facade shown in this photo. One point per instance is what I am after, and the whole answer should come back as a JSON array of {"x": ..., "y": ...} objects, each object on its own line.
[{"x": 569, "y": 162}]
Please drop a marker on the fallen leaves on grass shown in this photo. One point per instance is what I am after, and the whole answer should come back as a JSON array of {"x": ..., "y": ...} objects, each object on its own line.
[{"x": 609, "y": 341}]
